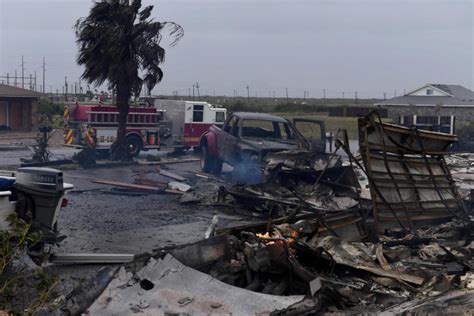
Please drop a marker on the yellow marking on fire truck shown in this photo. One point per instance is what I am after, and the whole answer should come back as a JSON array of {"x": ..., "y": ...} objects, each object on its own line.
[
  {"x": 90, "y": 137},
  {"x": 66, "y": 113},
  {"x": 68, "y": 136},
  {"x": 191, "y": 139}
]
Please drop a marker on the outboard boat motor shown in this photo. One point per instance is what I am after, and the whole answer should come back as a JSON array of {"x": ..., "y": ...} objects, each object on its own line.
[{"x": 40, "y": 195}]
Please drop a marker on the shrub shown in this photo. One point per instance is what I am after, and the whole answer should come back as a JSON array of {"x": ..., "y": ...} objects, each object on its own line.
[{"x": 86, "y": 157}]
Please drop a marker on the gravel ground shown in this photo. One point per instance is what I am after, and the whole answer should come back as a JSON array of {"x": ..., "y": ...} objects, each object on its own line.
[
  {"x": 104, "y": 219},
  {"x": 100, "y": 218}
]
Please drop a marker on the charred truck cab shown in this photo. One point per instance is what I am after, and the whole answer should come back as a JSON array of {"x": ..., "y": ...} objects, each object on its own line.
[{"x": 246, "y": 140}]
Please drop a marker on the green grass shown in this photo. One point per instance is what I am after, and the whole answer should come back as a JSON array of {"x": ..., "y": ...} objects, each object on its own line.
[{"x": 333, "y": 124}]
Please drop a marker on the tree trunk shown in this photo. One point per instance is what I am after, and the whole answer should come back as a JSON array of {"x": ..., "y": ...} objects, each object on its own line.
[{"x": 119, "y": 149}]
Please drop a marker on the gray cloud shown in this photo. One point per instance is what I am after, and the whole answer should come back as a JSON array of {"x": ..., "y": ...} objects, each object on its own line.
[{"x": 370, "y": 46}]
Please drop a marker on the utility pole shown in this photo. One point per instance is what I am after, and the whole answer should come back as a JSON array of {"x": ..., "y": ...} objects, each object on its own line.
[
  {"x": 44, "y": 72},
  {"x": 343, "y": 95},
  {"x": 8, "y": 78},
  {"x": 287, "y": 99},
  {"x": 385, "y": 95},
  {"x": 324, "y": 96},
  {"x": 15, "y": 78},
  {"x": 248, "y": 94},
  {"x": 22, "y": 73},
  {"x": 197, "y": 88},
  {"x": 65, "y": 87},
  {"x": 35, "y": 82}
]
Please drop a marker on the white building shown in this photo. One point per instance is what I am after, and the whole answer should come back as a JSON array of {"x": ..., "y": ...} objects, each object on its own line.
[{"x": 432, "y": 106}]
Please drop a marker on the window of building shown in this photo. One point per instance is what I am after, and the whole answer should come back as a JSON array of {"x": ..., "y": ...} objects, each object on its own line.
[
  {"x": 429, "y": 91},
  {"x": 198, "y": 113}
]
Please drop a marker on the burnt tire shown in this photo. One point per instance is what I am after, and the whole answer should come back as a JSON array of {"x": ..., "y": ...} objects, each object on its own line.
[
  {"x": 134, "y": 145},
  {"x": 208, "y": 163}
]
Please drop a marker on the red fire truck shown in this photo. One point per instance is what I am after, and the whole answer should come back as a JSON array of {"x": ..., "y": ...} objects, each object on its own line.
[{"x": 170, "y": 124}]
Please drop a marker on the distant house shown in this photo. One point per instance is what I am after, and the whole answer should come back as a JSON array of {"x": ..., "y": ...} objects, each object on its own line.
[
  {"x": 18, "y": 108},
  {"x": 432, "y": 106}
]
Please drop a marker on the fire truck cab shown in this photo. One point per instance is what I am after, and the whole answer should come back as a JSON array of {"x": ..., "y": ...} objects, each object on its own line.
[
  {"x": 189, "y": 120},
  {"x": 167, "y": 124}
]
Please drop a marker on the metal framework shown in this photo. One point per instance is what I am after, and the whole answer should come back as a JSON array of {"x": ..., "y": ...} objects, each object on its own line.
[{"x": 409, "y": 181}]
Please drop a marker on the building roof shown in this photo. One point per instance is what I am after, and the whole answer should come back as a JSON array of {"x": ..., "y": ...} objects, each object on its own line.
[
  {"x": 457, "y": 96},
  {"x": 14, "y": 92},
  {"x": 457, "y": 91}
]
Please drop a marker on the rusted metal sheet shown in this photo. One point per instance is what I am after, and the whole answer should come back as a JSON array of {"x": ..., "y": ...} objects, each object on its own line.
[{"x": 409, "y": 180}]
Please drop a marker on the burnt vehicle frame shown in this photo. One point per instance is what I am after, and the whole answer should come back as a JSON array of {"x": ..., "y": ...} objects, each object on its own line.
[{"x": 247, "y": 147}]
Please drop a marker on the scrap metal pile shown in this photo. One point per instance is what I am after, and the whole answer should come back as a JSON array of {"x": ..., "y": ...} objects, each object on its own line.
[
  {"x": 324, "y": 246},
  {"x": 403, "y": 255},
  {"x": 336, "y": 274},
  {"x": 294, "y": 269}
]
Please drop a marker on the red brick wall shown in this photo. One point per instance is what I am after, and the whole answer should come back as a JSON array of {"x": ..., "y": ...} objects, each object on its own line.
[{"x": 23, "y": 113}]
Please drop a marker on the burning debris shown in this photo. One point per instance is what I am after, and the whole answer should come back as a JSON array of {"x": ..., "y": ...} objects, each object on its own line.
[{"x": 299, "y": 269}]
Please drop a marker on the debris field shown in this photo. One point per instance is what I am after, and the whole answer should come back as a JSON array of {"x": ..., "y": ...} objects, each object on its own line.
[{"x": 386, "y": 230}]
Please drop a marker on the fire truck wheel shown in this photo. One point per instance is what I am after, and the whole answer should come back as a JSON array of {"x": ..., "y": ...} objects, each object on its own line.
[
  {"x": 207, "y": 162},
  {"x": 134, "y": 145}
]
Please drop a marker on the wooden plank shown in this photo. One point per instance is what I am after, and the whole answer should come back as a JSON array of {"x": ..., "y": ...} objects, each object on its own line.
[
  {"x": 128, "y": 185},
  {"x": 148, "y": 182},
  {"x": 172, "y": 175},
  {"x": 167, "y": 162},
  {"x": 171, "y": 191}
]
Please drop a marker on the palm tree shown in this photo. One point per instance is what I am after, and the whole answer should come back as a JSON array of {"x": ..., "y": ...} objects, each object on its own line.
[{"x": 120, "y": 44}]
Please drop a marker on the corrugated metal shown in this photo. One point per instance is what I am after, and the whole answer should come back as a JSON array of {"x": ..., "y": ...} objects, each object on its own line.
[{"x": 409, "y": 180}]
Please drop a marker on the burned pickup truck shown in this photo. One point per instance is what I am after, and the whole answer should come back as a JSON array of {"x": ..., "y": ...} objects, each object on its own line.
[{"x": 246, "y": 139}]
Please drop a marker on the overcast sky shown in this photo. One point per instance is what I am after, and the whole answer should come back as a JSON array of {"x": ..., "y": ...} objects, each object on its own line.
[{"x": 370, "y": 46}]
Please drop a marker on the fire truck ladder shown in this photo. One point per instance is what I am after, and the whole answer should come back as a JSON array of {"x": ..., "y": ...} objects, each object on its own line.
[{"x": 111, "y": 118}]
